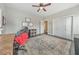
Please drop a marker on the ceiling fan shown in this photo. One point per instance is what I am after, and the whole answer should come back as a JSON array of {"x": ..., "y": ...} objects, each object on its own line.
[{"x": 42, "y": 6}]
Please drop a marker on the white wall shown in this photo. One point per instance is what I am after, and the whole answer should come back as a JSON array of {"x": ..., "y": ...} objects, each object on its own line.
[
  {"x": 0, "y": 21},
  {"x": 0, "y": 18},
  {"x": 59, "y": 27},
  {"x": 14, "y": 19},
  {"x": 60, "y": 24},
  {"x": 2, "y": 12}
]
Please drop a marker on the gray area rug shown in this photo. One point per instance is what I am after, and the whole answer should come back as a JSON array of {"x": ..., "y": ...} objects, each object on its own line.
[{"x": 46, "y": 45}]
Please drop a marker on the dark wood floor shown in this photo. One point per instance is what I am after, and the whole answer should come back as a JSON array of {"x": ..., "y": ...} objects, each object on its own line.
[{"x": 76, "y": 41}]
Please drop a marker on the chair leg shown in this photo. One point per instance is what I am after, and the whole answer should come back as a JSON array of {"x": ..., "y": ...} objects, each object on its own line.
[{"x": 15, "y": 51}]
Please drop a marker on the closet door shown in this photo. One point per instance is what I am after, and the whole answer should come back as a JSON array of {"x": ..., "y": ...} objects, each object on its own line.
[
  {"x": 76, "y": 33},
  {"x": 62, "y": 27},
  {"x": 68, "y": 27},
  {"x": 59, "y": 28},
  {"x": 76, "y": 25}
]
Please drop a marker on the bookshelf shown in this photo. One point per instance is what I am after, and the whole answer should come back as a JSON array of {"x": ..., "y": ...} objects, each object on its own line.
[{"x": 32, "y": 32}]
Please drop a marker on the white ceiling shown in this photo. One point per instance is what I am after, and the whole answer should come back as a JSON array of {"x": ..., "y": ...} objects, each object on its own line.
[{"x": 54, "y": 8}]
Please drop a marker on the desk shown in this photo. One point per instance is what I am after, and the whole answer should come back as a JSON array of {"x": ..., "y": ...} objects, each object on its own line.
[{"x": 6, "y": 44}]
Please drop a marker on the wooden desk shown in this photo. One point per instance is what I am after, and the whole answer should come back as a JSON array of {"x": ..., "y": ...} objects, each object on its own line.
[{"x": 6, "y": 44}]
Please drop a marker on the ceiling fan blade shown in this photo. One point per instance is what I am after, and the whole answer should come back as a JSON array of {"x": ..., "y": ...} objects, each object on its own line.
[
  {"x": 35, "y": 6},
  {"x": 38, "y": 10},
  {"x": 47, "y": 4},
  {"x": 44, "y": 9}
]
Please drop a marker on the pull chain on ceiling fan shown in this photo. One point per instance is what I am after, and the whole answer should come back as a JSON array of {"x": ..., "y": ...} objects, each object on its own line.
[{"x": 41, "y": 6}]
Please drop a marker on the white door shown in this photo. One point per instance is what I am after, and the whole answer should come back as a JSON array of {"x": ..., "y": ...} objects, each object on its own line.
[
  {"x": 42, "y": 27},
  {"x": 68, "y": 27}
]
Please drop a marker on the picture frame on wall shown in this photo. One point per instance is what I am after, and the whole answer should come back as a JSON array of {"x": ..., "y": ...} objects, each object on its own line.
[{"x": 3, "y": 20}]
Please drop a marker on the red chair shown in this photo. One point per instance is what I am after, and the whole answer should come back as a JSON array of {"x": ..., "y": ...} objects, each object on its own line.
[
  {"x": 19, "y": 42},
  {"x": 22, "y": 39}
]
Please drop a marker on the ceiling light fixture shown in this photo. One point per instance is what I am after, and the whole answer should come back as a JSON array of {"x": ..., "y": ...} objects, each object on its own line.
[{"x": 41, "y": 6}]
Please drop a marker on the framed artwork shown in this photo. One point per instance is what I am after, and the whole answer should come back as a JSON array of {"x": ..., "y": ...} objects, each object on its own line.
[{"x": 3, "y": 20}]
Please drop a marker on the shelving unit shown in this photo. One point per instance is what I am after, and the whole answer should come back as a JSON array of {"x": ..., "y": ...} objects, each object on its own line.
[{"x": 32, "y": 32}]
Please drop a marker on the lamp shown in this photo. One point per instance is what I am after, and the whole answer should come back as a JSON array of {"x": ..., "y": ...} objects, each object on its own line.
[{"x": 25, "y": 24}]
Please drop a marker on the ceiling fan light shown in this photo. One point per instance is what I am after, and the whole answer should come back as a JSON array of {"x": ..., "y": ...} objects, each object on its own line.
[{"x": 41, "y": 8}]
